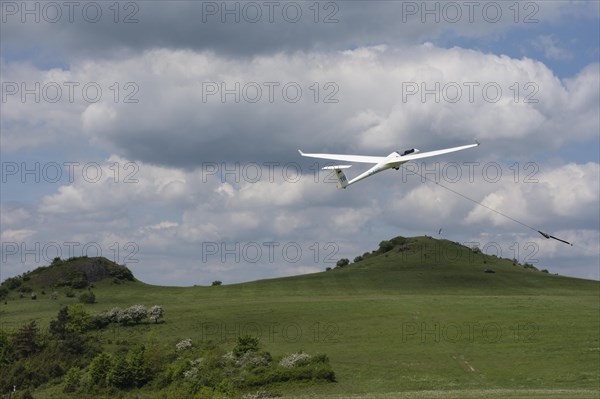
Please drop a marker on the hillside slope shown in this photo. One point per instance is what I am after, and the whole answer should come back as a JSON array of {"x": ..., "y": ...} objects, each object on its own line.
[{"x": 419, "y": 319}]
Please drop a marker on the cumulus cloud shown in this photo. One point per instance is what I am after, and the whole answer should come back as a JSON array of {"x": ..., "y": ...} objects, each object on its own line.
[
  {"x": 551, "y": 48},
  {"x": 247, "y": 28},
  {"x": 201, "y": 107}
]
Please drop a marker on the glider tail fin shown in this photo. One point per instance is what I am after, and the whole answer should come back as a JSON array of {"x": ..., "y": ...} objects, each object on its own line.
[{"x": 342, "y": 182}]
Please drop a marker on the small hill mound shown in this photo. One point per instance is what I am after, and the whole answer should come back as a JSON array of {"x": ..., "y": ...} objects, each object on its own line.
[
  {"x": 425, "y": 265},
  {"x": 78, "y": 272}
]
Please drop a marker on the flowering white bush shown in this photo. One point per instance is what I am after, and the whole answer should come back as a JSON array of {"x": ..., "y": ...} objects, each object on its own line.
[
  {"x": 292, "y": 360},
  {"x": 183, "y": 345},
  {"x": 137, "y": 313},
  {"x": 260, "y": 394},
  {"x": 191, "y": 374},
  {"x": 251, "y": 359},
  {"x": 114, "y": 315},
  {"x": 195, "y": 363},
  {"x": 156, "y": 312}
]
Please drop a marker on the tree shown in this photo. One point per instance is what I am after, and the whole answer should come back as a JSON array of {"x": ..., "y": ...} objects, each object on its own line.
[
  {"x": 79, "y": 319},
  {"x": 99, "y": 369},
  {"x": 25, "y": 339},
  {"x": 58, "y": 325},
  {"x": 156, "y": 312},
  {"x": 120, "y": 375},
  {"x": 342, "y": 262},
  {"x": 140, "y": 373},
  {"x": 72, "y": 379},
  {"x": 216, "y": 283},
  {"x": 137, "y": 313}
]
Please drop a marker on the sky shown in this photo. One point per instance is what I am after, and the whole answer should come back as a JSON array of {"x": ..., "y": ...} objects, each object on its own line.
[{"x": 164, "y": 135}]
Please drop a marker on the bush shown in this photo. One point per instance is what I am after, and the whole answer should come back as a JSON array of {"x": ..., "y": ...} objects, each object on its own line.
[
  {"x": 342, "y": 262},
  {"x": 78, "y": 280},
  {"x": 385, "y": 246},
  {"x": 72, "y": 380},
  {"x": 184, "y": 344},
  {"x": 247, "y": 343},
  {"x": 79, "y": 319},
  {"x": 87, "y": 297},
  {"x": 216, "y": 283},
  {"x": 399, "y": 240},
  {"x": 99, "y": 369},
  {"x": 120, "y": 375},
  {"x": 12, "y": 282},
  {"x": 137, "y": 313},
  {"x": 121, "y": 273},
  {"x": 156, "y": 312},
  {"x": 358, "y": 259},
  {"x": 295, "y": 359}
]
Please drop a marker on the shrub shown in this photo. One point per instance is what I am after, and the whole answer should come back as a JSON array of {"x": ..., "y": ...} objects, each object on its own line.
[
  {"x": 216, "y": 283},
  {"x": 247, "y": 343},
  {"x": 137, "y": 313},
  {"x": 342, "y": 262},
  {"x": 385, "y": 246},
  {"x": 399, "y": 240},
  {"x": 184, "y": 344},
  {"x": 87, "y": 297},
  {"x": 78, "y": 282},
  {"x": 99, "y": 369},
  {"x": 120, "y": 375},
  {"x": 294, "y": 359},
  {"x": 529, "y": 266},
  {"x": 156, "y": 312},
  {"x": 140, "y": 373},
  {"x": 358, "y": 259},
  {"x": 12, "y": 282},
  {"x": 79, "y": 319},
  {"x": 72, "y": 380}
]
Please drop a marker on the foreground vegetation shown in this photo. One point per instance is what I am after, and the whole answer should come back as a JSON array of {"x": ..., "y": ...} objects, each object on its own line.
[{"x": 418, "y": 318}]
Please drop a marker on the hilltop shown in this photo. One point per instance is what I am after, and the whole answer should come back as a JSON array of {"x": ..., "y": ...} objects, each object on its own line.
[
  {"x": 416, "y": 317},
  {"x": 75, "y": 273}
]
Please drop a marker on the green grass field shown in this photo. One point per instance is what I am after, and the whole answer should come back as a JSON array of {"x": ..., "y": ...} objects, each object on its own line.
[{"x": 426, "y": 322}]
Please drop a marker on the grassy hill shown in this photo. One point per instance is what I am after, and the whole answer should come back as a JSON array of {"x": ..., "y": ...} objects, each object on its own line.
[{"x": 418, "y": 318}]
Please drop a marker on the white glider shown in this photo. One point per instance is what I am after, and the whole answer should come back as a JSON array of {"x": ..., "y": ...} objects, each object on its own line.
[{"x": 392, "y": 161}]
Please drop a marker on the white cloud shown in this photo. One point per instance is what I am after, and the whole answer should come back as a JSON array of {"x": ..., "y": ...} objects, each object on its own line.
[
  {"x": 460, "y": 94},
  {"x": 551, "y": 48}
]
